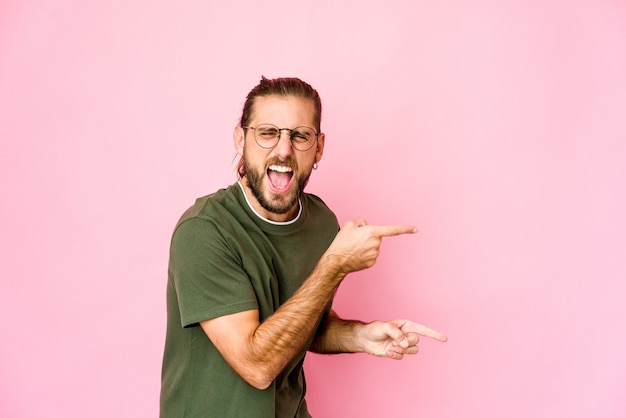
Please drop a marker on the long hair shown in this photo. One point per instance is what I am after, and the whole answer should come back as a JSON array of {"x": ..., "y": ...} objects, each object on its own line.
[{"x": 278, "y": 87}]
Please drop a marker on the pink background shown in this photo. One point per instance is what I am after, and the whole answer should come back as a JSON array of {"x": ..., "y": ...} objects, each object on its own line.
[{"x": 497, "y": 127}]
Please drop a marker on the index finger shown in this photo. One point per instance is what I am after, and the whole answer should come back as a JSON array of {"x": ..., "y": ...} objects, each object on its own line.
[
  {"x": 427, "y": 332},
  {"x": 392, "y": 230}
]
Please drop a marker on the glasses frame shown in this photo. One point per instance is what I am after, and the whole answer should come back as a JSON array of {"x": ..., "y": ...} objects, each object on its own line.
[{"x": 280, "y": 132}]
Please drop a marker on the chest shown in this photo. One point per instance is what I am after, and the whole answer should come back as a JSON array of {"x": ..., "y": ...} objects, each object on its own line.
[{"x": 278, "y": 265}]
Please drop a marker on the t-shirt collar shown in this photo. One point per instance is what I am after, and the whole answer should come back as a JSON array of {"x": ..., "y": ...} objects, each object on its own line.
[{"x": 265, "y": 219}]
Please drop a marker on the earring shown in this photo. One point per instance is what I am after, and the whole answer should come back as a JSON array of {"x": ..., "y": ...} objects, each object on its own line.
[{"x": 315, "y": 166}]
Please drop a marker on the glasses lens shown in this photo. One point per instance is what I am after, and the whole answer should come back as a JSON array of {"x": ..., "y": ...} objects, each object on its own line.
[
  {"x": 266, "y": 135},
  {"x": 303, "y": 138}
]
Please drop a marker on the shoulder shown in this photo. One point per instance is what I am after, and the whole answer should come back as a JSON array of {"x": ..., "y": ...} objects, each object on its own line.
[
  {"x": 316, "y": 203},
  {"x": 214, "y": 205},
  {"x": 211, "y": 225},
  {"x": 317, "y": 212},
  {"x": 216, "y": 213}
]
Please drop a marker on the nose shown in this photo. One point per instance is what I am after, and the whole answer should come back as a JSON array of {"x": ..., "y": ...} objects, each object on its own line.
[{"x": 283, "y": 148}]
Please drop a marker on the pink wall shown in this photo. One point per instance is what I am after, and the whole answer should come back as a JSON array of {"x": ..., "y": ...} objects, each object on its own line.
[{"x": 498, "y": 128}]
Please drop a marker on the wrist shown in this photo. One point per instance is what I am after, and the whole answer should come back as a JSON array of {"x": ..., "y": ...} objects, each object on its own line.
[
  {"x": 359, "y": 338},
  {"x": 331, "y": 265}
]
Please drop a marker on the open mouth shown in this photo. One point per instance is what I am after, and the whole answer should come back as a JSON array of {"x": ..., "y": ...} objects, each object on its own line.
[{"x": 279, "y": 176}]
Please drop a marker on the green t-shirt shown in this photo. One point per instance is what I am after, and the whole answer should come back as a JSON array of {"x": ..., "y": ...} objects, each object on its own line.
[{"x": 225, "y": 259}]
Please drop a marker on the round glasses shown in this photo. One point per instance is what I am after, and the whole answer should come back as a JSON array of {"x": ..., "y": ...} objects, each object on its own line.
[{"x": 267, "y": 135}]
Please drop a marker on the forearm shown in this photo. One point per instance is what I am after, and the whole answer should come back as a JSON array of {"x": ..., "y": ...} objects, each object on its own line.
[
  {"x": 279, "y": 338},
  {"x": 336, "y": 335}
]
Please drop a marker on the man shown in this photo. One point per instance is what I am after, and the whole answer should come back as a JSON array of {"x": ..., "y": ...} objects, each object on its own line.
[{"x": 253, "y": 270}]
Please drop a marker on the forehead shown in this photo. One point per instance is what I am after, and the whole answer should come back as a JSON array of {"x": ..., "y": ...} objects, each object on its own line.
[{"x": 283, "y": 111}]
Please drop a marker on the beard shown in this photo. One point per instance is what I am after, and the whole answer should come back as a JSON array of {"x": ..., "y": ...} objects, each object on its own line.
[{"x": 277, "y": 204}]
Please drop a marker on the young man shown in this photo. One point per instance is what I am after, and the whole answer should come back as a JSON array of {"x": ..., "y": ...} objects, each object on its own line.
[{"x": 253, "y": 270}]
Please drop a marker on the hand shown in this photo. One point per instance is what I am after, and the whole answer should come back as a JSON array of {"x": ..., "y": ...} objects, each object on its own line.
[
  {"x": 396, "y": 338},
  {"x": 357, "y": 245}
]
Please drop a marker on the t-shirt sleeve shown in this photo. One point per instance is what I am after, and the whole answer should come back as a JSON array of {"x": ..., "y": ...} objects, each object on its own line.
[{"x": 207, "y": 273}]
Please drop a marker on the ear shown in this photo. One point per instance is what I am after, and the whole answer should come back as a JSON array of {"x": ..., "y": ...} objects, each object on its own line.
[
  {"x": 239, "y": 136},
  {"x": 319, "y": 150}
]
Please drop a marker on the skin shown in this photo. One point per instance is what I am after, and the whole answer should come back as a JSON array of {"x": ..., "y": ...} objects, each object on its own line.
[{"x": 257, "y": 351}]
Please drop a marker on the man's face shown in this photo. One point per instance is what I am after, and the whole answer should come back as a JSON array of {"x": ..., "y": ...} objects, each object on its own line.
[{"x": 276, "y": 177}]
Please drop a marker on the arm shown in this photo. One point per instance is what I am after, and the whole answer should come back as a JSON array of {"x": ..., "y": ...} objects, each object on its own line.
[
  {"x": 391, "y": 339},
  {"x": 258, "y": 352}
]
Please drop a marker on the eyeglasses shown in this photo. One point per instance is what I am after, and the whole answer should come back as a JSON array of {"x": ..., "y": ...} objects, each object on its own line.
[{"x": 267, "y": 136}]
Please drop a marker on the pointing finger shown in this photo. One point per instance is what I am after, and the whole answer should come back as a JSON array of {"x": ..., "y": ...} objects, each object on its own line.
[
  {"x": 426, "y": 332},
  {"x": 392, "y": 230}
]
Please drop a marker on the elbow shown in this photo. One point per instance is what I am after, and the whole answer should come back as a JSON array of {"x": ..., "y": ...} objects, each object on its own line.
[
  {"x": 256, "y": 370},
  {"x": 258, "y": 379},
  {"x": 261, "y": 384}
]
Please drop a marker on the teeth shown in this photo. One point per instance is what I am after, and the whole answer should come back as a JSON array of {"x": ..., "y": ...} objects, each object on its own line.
[{"x": 280, "y": 168}]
